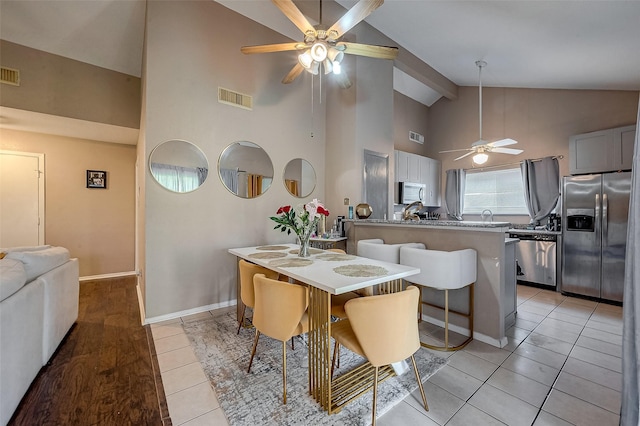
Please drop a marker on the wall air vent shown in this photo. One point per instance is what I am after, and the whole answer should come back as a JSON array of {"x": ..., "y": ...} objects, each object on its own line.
[
  {"x": 416, "y": 137},
  {"x": 240, "y": 100},
  {"x": 10, "y": 76}
]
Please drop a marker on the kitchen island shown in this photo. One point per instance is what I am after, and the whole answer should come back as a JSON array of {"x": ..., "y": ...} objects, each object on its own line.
[{"x": 494, "y": 302}]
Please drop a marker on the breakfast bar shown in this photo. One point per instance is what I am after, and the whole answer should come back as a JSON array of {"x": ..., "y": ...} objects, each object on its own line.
[
  {"x": 494, "y": 297},
  {"x": 329, "y": 273}
]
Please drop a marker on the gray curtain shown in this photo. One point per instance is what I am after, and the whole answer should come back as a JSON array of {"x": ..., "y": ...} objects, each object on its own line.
[
  {"x": 541, "y": 180},
  {"x": 631, "y": 304},
  {"x": 454, "y": 193}
]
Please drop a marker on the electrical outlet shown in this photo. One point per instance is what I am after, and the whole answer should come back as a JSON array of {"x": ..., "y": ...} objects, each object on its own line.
[{"x": 346, "y": 201}]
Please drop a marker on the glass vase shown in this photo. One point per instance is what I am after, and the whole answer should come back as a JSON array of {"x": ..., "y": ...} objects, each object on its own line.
[{"x": 303, "y": 238}]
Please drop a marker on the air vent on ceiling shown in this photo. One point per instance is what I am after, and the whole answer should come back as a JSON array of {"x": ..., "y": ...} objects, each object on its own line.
[
  {"x": 416, "y": 137},
  {"x": 229, "y": 97},
  {"x": 10, "y": 76}
]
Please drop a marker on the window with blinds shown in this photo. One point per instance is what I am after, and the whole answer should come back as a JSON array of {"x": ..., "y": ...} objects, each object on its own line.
[{"x": 500, "y": 191}]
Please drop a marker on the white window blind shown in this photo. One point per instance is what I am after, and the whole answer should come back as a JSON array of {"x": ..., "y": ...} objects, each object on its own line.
[{"x": 500, "y": 191}]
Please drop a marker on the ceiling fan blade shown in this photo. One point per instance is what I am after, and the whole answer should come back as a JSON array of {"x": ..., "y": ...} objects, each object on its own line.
[
  {"x": 369, "y": 50},
  {"x": 293, "y": 74},
  {"x": 503, "y": 142},
  {"x": 507, "y": 151},
  {"x": 357, "y": 13},
  {"x": 456, "y": 150},
  {"x": 267, "y": 48},
  {"x": 343, "y": 80},
  {"x": 292, "y": 12},
  {"x": 462, "y": 156}
]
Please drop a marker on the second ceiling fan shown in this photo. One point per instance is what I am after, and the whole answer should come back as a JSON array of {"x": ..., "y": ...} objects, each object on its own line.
[
  {"x": 481, "y": 147},
  {"x": 322, "y": 47}
]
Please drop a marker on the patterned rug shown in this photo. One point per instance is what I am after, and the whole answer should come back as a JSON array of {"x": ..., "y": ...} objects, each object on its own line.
[{"x": 256, "y": 398}]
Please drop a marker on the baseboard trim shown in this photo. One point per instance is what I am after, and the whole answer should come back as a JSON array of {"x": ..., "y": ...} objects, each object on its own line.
[
  {"x": 141, "y": 304},
  {"x": 105, "y": 276},
  {"x": 188, "y": 312},
  {"x": 498, "y": 343}
]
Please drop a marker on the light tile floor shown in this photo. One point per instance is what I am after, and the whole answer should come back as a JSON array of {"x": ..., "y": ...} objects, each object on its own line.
[{"x": 562, "y": 366}]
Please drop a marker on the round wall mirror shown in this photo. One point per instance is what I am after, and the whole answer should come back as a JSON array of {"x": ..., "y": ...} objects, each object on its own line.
[
  {"x": 245, "y": 169},
  {"x": 299, "y": 177},
  {"x": 178, "y": 165}
]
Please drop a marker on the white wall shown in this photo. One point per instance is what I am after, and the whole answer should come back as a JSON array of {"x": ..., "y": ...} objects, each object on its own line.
[{"x": 191, "y": 49}]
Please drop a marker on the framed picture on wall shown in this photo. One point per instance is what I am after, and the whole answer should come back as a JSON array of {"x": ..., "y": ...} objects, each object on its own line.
[{"x": 97, "y": 179}]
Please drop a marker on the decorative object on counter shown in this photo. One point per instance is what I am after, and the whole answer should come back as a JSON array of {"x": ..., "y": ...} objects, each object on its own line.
[
  {"x": 350, "y": 212},
  {"x": 410, "y": 212},
  {"x": 363, "y": 210},
  {"x": 302, "y": 221},
  {"x": 429, "y": 216}
]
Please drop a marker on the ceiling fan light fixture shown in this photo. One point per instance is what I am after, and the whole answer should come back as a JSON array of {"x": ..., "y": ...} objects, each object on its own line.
[
  {"x": 305, "y": 60},
  {"x": 335, "y": 55},
  {"x": 337, "y": 68},
  {"x": 328, "y": 67},
  {"x": 314, "y": 68},
  {"x": 480, "y": 158},
  {"x": 318, "y": 52}
]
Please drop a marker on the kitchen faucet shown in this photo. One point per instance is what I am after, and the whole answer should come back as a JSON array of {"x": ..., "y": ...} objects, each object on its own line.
[{"x": 490, "y": 215}]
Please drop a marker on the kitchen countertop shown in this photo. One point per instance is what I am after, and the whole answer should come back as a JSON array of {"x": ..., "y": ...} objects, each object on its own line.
[{"x": 477, "y": 225}]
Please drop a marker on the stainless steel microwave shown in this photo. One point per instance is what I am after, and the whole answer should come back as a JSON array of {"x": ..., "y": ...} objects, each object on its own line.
[{"x": 410, "y": 192}]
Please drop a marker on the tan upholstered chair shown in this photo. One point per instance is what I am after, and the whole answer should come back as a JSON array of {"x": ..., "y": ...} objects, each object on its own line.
[
  {"x": 382, "y": 329},
  {"x": 247, "y": 271},
  {"x": 444, "y": 270},
  {"x": 280, "y": 313}
]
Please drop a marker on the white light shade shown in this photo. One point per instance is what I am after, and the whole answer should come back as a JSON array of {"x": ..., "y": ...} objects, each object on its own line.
[
  {"x": 305, "y": 60},
  {"x": 318, "y": 52},
  {"x": 328, "y": 67},
  {"x": 313, "y": 69},
  {"x": 335, "y": 55},
  {"x": 337, "y": 68},
  {"x": 480, "y": 158}
]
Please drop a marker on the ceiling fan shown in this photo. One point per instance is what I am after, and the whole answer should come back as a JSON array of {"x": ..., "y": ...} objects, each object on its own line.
[
  {"x": 481, "y": 147},
  {"x": 323, "y": 46}
]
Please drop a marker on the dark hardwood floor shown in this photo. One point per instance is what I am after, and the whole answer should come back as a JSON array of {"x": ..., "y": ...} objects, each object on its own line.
[{"x": 103, "y": 372}]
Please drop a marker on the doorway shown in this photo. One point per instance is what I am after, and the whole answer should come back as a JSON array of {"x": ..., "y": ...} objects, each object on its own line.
[
  {"x": 376, "y": 183},
  {"x": 21, "y": 199}
]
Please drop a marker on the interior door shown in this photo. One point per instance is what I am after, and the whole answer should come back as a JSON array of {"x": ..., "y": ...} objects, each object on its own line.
[
  {"x": 21, "y": 199},
  {"x": 376, "y": 183}
]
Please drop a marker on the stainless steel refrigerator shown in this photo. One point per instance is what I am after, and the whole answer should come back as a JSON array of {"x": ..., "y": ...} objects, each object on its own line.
[{"x": 595, "y": 210}]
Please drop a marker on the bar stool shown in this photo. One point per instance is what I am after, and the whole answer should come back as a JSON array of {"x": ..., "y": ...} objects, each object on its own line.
[
  {"x": 443, "y": 270},
  {"x": 378, "y": 250}
]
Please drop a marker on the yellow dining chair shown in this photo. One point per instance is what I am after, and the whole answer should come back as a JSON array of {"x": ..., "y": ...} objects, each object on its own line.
[
  {"x": 247, "y": 271},
  {"x": 280, "y": 312},
  {"x": 382, "y": 329}
]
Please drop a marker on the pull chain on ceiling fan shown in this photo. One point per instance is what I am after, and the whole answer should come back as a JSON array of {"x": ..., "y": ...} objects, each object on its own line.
[
  {"x": 323, "y": 46},
  {"x": 481, "y": 148}
]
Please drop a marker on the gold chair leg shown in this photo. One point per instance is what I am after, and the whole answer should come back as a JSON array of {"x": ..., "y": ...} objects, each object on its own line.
[
  {"x": 446, "y": 319},
  {"x": 284, "y": 371},
  {"x": 336, "y": 349},
  {"x": 415, "y": 369},
  {"x": 375, "y": 396},
  {"x": 244, "y": 307},
  {"x": 253, "y": 351}
]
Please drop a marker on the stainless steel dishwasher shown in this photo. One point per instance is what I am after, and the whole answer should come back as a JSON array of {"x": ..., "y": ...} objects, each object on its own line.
[{"x": 536, "y": 258}]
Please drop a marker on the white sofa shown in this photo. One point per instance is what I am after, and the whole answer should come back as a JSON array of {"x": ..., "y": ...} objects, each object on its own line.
[{"x": 39, "y": 293}]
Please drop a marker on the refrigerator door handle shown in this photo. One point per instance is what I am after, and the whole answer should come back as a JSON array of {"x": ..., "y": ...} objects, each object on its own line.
[
  {"x": 605, "y": 219},
  {"x": 598, "y": 229}
]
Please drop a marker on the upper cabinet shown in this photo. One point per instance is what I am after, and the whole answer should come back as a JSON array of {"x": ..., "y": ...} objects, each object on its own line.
[
  {"x": 602, "y": 151},
  {"x": 419, "y": 169}
]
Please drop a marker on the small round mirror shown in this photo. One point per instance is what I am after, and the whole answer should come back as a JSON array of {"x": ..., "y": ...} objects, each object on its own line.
[
  {"x": 245, "y": 169},
  {"x": 178, "y": 165},
  {"x": 299, "y": 178}
]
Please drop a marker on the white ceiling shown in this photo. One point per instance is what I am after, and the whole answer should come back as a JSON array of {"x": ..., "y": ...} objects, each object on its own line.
[{"x": 575, "y": 44}]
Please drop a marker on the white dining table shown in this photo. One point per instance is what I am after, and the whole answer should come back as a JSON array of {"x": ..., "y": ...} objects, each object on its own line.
[{"x": 329, "y": 273}]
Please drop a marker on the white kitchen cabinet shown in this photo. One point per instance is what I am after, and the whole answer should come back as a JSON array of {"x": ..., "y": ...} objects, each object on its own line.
[
  {"x": 407, "y": 167},
  {"x": 419, "y": 169},
  {"x": 602, "y": 151}
]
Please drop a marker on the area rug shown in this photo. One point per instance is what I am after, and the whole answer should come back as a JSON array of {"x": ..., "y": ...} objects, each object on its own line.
[{"x": 256, "y": 398}]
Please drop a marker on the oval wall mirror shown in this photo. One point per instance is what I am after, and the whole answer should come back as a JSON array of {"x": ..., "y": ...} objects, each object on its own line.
[
  {"x": 299, "y": 178},
  {"x": 178, "y": 165},
  {"x": 245, "y": 169}
]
